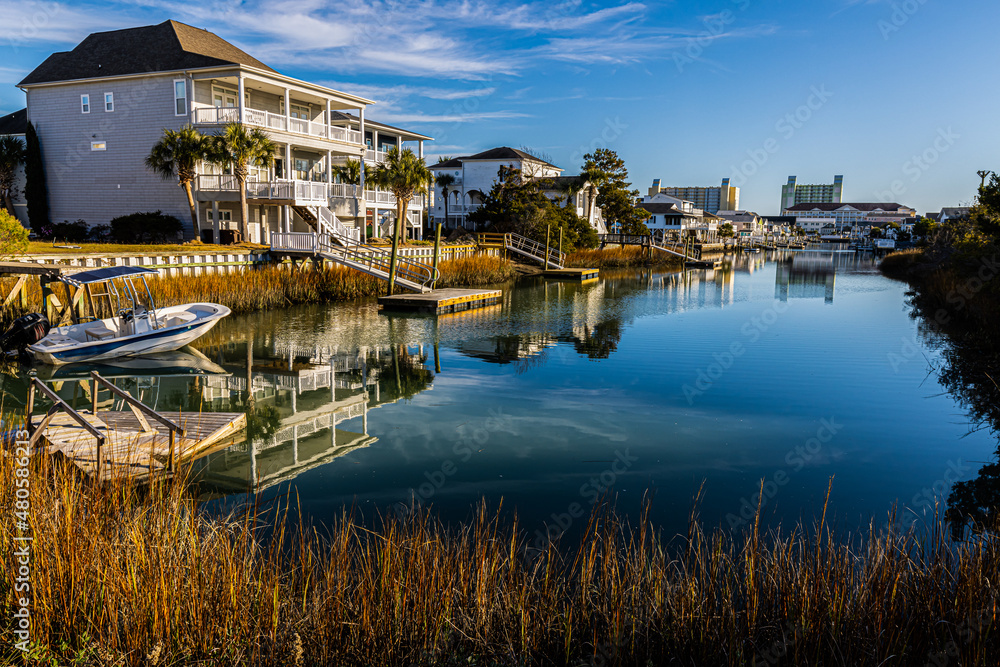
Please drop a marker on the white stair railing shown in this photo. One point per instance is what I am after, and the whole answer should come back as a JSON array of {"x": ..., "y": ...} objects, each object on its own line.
[{"x": 330, "y": 224}]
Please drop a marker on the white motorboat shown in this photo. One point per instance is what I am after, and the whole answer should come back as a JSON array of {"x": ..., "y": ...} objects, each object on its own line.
[{"x": 138, "y": 328}]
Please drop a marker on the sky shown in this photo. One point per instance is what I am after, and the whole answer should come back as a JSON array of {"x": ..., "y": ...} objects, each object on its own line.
[{"x": 895, "y": 96}]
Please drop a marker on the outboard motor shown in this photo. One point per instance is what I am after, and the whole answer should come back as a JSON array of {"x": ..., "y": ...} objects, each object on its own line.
[{"x": 24, "y": 331}]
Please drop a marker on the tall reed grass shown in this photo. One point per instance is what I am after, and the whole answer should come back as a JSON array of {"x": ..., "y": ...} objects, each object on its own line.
[
  {"x": 621, "y": 257},
  {"x": 278, "y": 286},
  {"x": 128, "y": 575}
]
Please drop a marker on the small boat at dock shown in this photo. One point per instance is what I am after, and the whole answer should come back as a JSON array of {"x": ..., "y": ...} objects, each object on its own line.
[{"x": 137, "y": 328}]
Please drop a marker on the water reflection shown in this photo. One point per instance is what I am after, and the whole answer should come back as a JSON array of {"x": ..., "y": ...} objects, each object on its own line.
[{"x": 353, "y": 406}]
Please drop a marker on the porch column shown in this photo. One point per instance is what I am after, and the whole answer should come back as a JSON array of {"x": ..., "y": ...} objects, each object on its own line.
[
  {"x": 361, "y": 117},
  {"x": 329, "y": 170},
  {"x": 420, "y": 149},
  {"x": 288, "y": 111},
  {"x": 329, "y": 119},
  {"x": 288, "y": 163},
  {"x": 241, "y": 102},
  {"x": 215, "y": 221}
]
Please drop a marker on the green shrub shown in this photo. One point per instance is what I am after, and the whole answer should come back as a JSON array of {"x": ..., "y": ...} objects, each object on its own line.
[
  {"x": 13, "y": 236},
  {"x": 73, "y": 232},
  {"x": 153, "y": 227}
]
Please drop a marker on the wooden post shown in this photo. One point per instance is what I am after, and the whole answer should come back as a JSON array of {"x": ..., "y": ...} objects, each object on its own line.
[
  {"x": 93, "y": 396},
  {"x": 548, "y": 229},
  {"x": 560, "y": 238},
  {"x": 437, "y": 252},
  {"x": 170, "y": 453},
  {"x": 30, "y": 408}
]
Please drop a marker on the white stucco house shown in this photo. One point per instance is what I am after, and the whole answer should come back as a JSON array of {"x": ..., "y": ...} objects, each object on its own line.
[
  {"x": 475, "y": 175},
  {"x": 99, "y": 108}
]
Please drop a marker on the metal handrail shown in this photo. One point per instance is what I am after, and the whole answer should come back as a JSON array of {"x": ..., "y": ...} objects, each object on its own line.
[
  {"x": 526, "y": 245},
  {"x": 378, "y": 259}
]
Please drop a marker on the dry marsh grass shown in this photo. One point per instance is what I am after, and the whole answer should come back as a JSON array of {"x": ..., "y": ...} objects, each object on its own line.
[
  {"x": 622, "y": 257},
  {"x": 129, "y": 575}
]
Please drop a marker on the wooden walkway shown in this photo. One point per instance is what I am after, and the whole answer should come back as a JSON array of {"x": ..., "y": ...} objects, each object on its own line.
[
  {"x": 448, "y": 300},
  {"x": 130, "y": 451}
]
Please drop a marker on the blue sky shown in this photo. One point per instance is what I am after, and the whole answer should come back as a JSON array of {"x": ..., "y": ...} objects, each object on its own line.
[{"x": 897, "y": 97}]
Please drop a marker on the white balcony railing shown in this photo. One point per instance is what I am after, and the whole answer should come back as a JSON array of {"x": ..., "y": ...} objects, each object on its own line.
[
  {"x": 301, "y": 191},
  {"x": 273, "y": 121},
  {"x": 343, "y": 190},
  {"x": 375, "y": 156}
]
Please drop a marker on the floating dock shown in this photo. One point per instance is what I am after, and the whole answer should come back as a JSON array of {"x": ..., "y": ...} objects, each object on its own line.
[
  {"x": 578, "y": 275},
  {"x": 441, "y": 300},
  {"x": 129, "y": 449}
]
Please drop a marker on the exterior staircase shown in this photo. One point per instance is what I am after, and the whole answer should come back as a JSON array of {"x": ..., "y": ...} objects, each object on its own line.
[
  {"x": 350, "y": 252},
  {"x": 325, "y": 221},
  {"x": 525, "y": 247}
]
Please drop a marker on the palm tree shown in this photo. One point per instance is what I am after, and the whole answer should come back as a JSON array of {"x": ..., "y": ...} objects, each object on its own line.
[
  {"x": 405, "y": 176},
  {"x": 243, "y": 148},
  {"x": 445, "y": 181},
  {"x": 177, "y": 154},
  {"x": 12, "y": 154}
]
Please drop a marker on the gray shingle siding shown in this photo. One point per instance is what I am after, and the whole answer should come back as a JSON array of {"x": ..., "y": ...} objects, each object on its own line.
[{"x": 97, "y": 186}]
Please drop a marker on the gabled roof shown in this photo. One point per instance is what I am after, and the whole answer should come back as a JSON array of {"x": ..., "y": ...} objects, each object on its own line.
[
  {"x": 507, "y": 153},
  {"x": 166, "y": 47},
  {"x": 14, "y": 123},
  {"x": 454, "y": 163},
  {"x": 893, "y": 206},
  {"x": 660, "y": 208},
  {"x": 351, "y": 118}
]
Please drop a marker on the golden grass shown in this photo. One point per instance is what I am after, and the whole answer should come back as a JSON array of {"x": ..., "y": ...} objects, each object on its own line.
[
  {"x": 622, "y": 257},
  {"x": 275, "y": 286},
  {"x": 899, "y": 264},
  {"x": 124, "y": 575}
]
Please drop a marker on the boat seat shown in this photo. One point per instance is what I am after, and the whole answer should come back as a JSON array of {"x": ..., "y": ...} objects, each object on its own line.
[
  {"x": 99, "y": 333},
  {"x": 177, "y": 319},
  {"x": 55, "y": 340}
]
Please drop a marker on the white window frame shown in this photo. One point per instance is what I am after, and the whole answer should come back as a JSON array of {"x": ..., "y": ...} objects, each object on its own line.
[
  {"x": 84, "y": 103},
  {"x": 112, "y": 100},
  {"x": 183, "y": 82},
  {"x": 98, "y": 145}
]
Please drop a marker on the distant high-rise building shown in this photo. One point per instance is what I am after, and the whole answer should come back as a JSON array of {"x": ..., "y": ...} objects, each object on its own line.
[
  {"x": 792, "y": 194},
  {"x": 710, "y": 199}
]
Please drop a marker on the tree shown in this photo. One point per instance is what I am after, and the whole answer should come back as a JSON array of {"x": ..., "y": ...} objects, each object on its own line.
[
  {"x": 924, "y": 227},
  {"x": 12, "y": 154},
  {"x": 177, "y": 154},
  {"x": 13, "y": 236},
  {"x": 726, "y": 230},
  {"x": 445, "y": 181},
  {"x": 405, "y": 176},
  {"x": 35, "y": 191},
  {"x": 614, "y": 194},
  {"x": 242, "y": 148},
  {"x": 349, "y": 172}
]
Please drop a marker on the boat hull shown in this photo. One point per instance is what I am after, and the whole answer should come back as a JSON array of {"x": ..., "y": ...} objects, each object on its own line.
[{"x": 149, "y": 342}]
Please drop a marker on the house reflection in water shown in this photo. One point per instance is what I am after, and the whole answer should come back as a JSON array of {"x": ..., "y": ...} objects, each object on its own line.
[
  {"x": 298, "y": 399},
  {"x": 805, "y": 275}
]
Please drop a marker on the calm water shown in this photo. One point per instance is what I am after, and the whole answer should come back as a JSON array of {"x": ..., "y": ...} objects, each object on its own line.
[{"x": 791, "y": 369}]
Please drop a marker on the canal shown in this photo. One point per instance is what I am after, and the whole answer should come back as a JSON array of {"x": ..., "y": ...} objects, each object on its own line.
[{"x": 775, "y": 373}]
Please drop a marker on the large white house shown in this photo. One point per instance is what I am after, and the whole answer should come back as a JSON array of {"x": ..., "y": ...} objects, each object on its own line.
[
  {"x": 847, "y": 216},
  {"x": 475, "y": 175},
  {"x": 99, "y": 108}
]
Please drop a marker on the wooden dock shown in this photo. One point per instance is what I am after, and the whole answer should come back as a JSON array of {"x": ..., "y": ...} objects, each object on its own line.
[
  {"x": 129, "y": 450},
  {"x": 441, "y": 300},
  {"x": 578, "y": 275},
  {"x": 141, "y": 443}
]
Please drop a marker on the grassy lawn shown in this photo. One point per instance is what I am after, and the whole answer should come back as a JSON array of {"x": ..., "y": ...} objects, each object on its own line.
[{"x": 59, "y": 248}]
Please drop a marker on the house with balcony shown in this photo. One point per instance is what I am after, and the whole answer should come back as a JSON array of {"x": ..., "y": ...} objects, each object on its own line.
[
  {"x": 16, "y": 125},
  {"x": 671, "y": 219},
  {"x": 99, "y": 108},
  {"x": 476, "y": 174}
]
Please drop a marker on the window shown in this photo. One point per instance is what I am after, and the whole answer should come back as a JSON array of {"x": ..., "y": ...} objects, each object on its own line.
[
  {"x": 98, "y": 146},
  {"x": 84, "y": 103},
  {"x": 109, "y": 101},
  {"x": 180, "y": 97},
  {"x": 224, "y": 216}
]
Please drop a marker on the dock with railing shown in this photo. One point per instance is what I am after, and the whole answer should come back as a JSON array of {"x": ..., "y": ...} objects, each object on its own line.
[{"x": 136, "y": 442}]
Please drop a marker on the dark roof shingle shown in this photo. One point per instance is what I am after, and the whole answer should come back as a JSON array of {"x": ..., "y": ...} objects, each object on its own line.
[
  {"x": 507, "y": 153},
  {"x": 14, "y": 123},
  {"x": 165, "y": 47}
]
